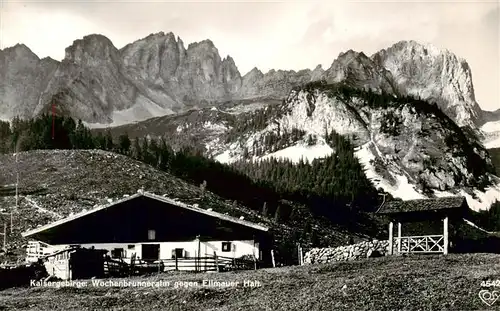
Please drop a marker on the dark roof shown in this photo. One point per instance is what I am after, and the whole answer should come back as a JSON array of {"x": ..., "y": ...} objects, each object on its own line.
[
  {"x": 421, "y": 205},
  {"x": 151, "y": 196}
]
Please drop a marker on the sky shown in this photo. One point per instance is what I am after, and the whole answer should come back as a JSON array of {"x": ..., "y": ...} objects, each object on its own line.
[{"x": 271, "y": 35}]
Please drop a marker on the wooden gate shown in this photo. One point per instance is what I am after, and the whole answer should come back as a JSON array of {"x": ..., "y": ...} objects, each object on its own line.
[{"x": 421, "y": 244}]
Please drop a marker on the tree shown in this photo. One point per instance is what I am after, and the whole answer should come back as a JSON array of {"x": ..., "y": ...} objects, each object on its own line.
[
  {"x": 137, "y": 150},
  {"x": 265, "y": 210},
  {"x": 277, "y": 214},
  {"x": 108, "y": 144},
  {"x": 79, "y": 136},
  {"x": 203, "y": 188},
  {"x": 100, "y": 141},
  {"x": 124, "y": 143},
  {"x": 315, "y": 241}
]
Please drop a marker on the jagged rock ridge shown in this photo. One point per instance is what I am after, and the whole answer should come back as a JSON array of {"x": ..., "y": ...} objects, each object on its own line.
[{"x": 157, "y": 75}]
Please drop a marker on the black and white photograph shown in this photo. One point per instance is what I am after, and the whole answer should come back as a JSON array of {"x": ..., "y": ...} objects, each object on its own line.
[{"x": 250, "y": 155}]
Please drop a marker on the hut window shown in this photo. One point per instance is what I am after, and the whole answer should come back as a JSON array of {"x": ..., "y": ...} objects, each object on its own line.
[
  {"x": 226, "y": 246},
  {"x": 178, "y": 252},
  {"x": 151, "y": 234},
  {"x": 131, "y": 246},
  {"x": 117, "y": 253}
]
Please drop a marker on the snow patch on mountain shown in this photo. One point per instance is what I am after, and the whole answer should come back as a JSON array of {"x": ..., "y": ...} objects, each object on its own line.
[
  {"x": 401, "y": 189},
  {"x": 491, "y": 131},
  {"x": 492, "y": 141},
  {"x": 246, "y": 108},
  {"x": 490, "y": 127},
  {"x": 480, "y": 201},
  {"x": 301, "y": 151},
  {"x": 142, "y": 110},
  {"x": 227, "y": 157},
  {"x": 216, "y": 127}
]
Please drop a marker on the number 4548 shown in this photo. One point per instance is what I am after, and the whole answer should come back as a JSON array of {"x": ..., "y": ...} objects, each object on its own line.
[{"x": 490, "y": 283}]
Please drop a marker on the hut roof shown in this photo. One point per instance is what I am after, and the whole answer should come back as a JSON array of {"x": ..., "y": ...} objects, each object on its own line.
[{"x": 422, "y": 205}]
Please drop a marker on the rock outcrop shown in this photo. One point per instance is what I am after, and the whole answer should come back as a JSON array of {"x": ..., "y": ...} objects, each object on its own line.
[
  {"x": 23, "y": 77},
  {"x": 434, "y": 75}
]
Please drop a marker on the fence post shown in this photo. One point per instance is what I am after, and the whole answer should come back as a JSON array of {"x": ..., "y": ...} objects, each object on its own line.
[
  {"x": 445, "y": 236},
  {"x": 301, "y": 257},
  {"x": 399, "y": 237},
  {"x": 195, "y": 261},
  {"x": 391, "y": 246},
  {"x": 159, "y": 266},
  {"x": 272, "y": 258},
  {"x": 216, "y": 262},
  {"x": 299, "y": 253},
  {"x": 176, "y": 263},
  {"x": 198, "y": 264}
]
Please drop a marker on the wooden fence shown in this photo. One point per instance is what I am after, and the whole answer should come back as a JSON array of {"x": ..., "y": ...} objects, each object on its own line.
[
  {"x": 421, "y": 244},
  {"x": 215, "y": 263}
]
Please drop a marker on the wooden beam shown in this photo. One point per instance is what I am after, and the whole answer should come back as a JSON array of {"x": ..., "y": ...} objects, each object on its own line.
[
  {"x": 391, "y": 251},
  {"x": 298, "y": 253},
  {"x": 216, "y": 262},
  {"x": 445, "y": 236},
  {"x": 199, "y": 250},
  {"x": 254, "y": 257},
  {"x": 399, "y": 237},
  {"x": 301, "y": 254}
]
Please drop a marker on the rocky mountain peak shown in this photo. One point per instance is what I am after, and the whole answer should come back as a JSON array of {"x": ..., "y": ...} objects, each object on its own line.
[
  {"x": 436, "y": 75},
  {"x": 90, "y": 49},
  {"x": 358, "y": 70},
  {"x": 206, "y": 45},
  {"x": 254, "y": 72},
  {"x": 161, "y": 34},
  {"x": 317, "y": 73},
  {"x": 228, "y": 59},
  {"x": 48, "y": 59},
  {"x": 416, "y": 48},
  {"x": 23, "y": 77},
  {"x": 349, "y": 53},
  {"x": 18, "y": 52}
]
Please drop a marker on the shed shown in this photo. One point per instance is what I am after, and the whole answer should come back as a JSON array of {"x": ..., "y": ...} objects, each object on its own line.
[{"x": 443, "y": 209}]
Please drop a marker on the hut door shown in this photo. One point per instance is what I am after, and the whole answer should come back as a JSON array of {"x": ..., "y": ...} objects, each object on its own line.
[{"x": 150, "y": 252}]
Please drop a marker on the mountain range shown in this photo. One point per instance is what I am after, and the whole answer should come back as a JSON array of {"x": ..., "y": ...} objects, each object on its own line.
[
  {"x": 158, "y": 87},
  {"x": 158, "y": 75}
]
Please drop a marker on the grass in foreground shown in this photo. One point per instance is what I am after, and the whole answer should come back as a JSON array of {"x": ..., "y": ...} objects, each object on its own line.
[{"x": 400, "y": 283}]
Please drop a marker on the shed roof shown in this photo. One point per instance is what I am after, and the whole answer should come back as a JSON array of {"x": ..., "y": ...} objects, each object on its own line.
[
  {"x": 152, "y": 196},
  {"x": 422, "y": 205}
]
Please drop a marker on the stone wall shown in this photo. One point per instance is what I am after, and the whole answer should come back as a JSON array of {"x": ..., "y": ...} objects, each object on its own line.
[{"x": 365, "y": 249}]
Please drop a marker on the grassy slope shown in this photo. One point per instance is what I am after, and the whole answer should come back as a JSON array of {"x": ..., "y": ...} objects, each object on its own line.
[
  {"x": 399, "y": 283},
  {"x": 68, "y": 181}
]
